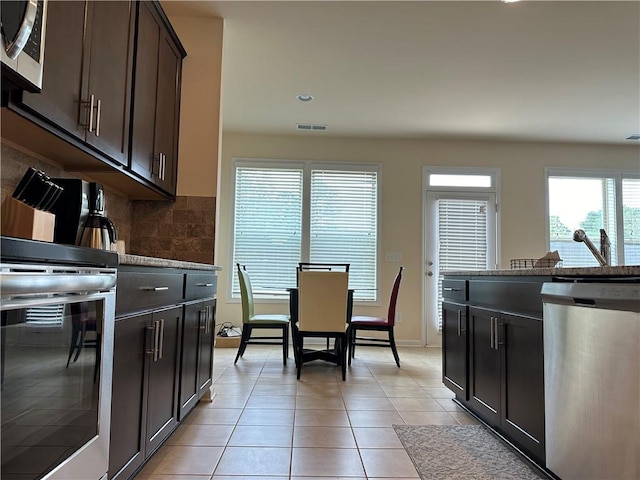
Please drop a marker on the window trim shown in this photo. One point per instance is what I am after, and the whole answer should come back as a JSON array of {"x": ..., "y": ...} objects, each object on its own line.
[
  {"x": 306, "y": 166},
  {"x": 616, "y": 174}
]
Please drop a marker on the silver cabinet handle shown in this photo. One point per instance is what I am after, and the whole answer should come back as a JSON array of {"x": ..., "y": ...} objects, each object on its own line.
[
  {"x": 451, "y": 289},
  {"x": 459, "y": 321},
  {"x": 204, "y": 285},
  {"x": 164, "y": 165},
  {"x": 92, "y": 99},
  {"x": 152, "y": 351},
  {"x": 98, "y": 115},
  {"x": 160, "y": 338},
  {"x": 154, "y": 289},
  {"x": 202, "y": 316},
  {"x": 492, "y": 339},
  {"x": 156, "y": 339}
]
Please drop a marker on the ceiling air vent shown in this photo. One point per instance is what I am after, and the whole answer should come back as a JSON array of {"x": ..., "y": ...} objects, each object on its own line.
[
  {"x": 635, "y": 136},
  {"x": 311, "y": 127}
]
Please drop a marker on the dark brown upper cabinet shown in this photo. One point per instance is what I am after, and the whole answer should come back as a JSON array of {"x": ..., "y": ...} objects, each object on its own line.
[
  {"x": 156, "y": 98},
  {"x": 87, "y": 75}
]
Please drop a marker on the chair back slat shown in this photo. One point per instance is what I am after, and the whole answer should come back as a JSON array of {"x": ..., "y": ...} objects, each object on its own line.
[
  {"x": 322, "y": 300},
  {"x": 246, "y": 293},
  {"x": 391, "y": 315}
]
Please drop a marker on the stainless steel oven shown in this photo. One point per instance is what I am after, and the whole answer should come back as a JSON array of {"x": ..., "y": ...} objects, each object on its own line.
[{"x": 56, "y": 346}]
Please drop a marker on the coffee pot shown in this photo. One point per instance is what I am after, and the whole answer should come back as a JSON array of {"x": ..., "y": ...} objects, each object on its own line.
[{"x": 98, "y": 230}]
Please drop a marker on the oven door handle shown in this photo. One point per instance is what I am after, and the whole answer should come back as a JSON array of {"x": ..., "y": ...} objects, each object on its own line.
[{"x": 22, "y": 283}]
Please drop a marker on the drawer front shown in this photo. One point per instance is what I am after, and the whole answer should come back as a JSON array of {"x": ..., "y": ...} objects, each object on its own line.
[
  {"x": 508, "y": 295},
  {"x": 453, "y": 289},
  {"x": 139, "y": 291},
  {"x": 200, "y": 285}
]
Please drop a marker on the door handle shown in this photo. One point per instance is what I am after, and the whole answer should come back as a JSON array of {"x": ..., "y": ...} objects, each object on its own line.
[
  {"x": 160, "y": 338},
  {"x": 98, "y": 115},
  {"x": 459, "y": 321},
  {"x": 492, "y": 334}
]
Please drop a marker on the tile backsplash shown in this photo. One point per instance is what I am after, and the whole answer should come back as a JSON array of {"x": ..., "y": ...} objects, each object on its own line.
[{"x": 183, "y": 230}]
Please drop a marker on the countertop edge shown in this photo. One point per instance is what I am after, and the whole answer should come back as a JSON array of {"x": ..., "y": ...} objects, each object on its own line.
[
  {"x": 622, "y": 270},
  {"x": 139, "y": 260}
]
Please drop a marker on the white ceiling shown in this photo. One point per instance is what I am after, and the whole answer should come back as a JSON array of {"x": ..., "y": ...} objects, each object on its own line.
[{"x": 549, "y": 71}]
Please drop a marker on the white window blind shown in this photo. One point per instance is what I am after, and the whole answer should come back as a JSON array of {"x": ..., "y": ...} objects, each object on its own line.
[
  {"x": 343, "y": 225},
  {"x": 462, "y": 228},
  {"x": 463, "y": 237},
  {"x": 268, "y": 224}
]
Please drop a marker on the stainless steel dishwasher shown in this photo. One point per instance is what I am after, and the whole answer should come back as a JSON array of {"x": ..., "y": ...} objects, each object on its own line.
[{"x": 592, "y": 379}]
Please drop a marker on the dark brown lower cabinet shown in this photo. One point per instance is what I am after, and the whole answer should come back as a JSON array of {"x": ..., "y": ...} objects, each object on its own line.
[
  {"x": 144, "y": 405},
  {"x": 197, "y": 353},
  {"x": 455, "y": 351},
  {"x": 506, "y": 375}
]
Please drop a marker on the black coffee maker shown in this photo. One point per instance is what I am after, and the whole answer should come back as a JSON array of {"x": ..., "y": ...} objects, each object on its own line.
[{"x": 80, "y": 218}]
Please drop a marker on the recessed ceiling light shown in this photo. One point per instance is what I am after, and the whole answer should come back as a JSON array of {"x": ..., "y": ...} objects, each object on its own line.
[
  {"x": 635, "y": 136},
  {"x": 510, "y": 1},
  {"x": 304, "y": 97}
]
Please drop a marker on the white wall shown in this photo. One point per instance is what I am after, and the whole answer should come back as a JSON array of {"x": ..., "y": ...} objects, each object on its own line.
[
  {"x": 522, "y": 203},
  {"x": 199, "y": 104}
]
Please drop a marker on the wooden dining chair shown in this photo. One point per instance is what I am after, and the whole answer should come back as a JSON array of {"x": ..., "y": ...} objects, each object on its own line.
[
  {"x": 379, "y": 324},
  {"x": 323, "y": 311},
  {"x": 251, "y": 321}
]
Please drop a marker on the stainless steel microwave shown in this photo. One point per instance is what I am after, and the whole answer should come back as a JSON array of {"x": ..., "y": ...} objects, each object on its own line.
[{"x": 22, "y": 53}]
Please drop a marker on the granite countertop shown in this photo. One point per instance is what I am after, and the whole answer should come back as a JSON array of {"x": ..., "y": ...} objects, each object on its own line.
[
  {"x": 610, "y": 271},
  {"x": 127, "y": 259}
]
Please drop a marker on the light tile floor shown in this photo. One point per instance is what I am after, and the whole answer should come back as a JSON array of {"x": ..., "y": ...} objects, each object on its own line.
[{"x": 265, "y": 424}]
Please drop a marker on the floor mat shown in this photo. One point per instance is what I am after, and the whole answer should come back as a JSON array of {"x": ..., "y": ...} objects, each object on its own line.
[{"x": 461, "y": 452}]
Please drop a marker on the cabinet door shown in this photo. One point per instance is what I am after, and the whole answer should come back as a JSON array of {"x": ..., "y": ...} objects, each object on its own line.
[
  {"x": 484, "y": 364},
  {"x": 193, "y": 313},
  {"x": 162, "y": 377},
  {"x": 205, "y": 350},
  {"x": 109, "y": 76},
  {"x": 168, "y": 112},
  {"x": 156, "y": 108},
  {"x": 59, "y": 101},
  {"x": 522, "y": 412},
  {"x": 143, "y": 158},
  {"x": 454, "y": 348},
  {"x": 128, "y": 397}
]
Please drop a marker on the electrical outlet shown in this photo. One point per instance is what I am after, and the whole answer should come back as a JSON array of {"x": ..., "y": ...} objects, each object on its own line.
[
  {"x": 399, "y": 317},
  {"x": 393, "y": 256}
]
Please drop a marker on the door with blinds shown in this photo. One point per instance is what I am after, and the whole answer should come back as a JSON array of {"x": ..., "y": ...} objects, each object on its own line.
[{"x": 461, "y": 235}]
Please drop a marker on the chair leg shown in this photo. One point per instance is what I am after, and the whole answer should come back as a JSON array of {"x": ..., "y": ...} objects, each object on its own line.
[
  {"x": 392, "y": 341},
  {"x": 74, "y": 341},
  {"x": 344, "y": 342},
  {"x": 285, "y": 344},
  {"x": 350, "y": 336},
  {"x": 246, "y": 334},
  {"x": 300, "y": 344}
]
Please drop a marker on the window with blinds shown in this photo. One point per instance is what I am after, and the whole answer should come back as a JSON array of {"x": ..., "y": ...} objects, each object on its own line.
[
  {"x": 268, "y": 227},
  {"x": 274, "y": 228},
  {"x": 592, "y": 201},
  {"x": 343, "y": 225},
  {"x": 631, "y": 220}
]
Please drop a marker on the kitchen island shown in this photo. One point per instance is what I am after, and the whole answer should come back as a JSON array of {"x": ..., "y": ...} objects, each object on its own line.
[{"x": 493, "y": 345}]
